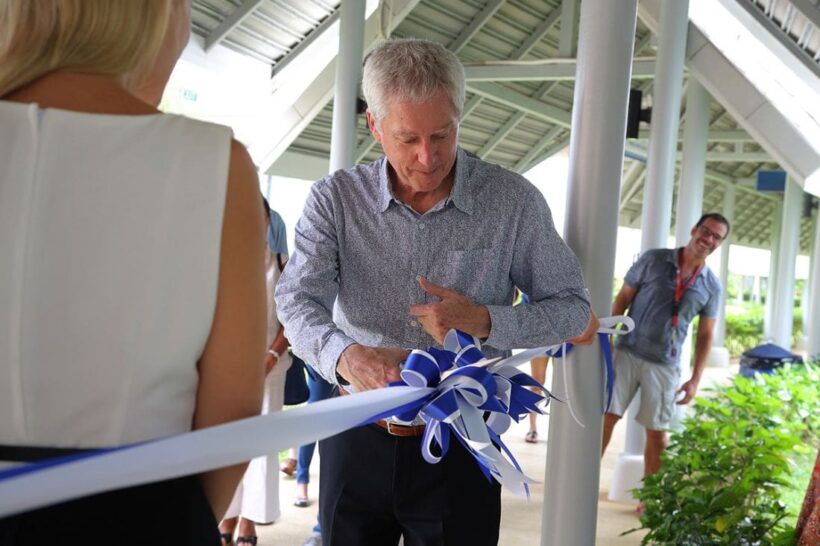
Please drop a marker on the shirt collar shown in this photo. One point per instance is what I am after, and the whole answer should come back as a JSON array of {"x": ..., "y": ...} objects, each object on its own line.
[
  {"x": 673, "y": 259},
  {"x": 460, "y": 195}
]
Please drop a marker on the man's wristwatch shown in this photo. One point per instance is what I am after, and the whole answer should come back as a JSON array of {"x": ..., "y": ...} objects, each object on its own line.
[{"x": 274, "y": 353}]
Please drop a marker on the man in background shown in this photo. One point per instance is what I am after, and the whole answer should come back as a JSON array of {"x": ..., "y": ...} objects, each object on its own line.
[{"x": 664, "y": 290}]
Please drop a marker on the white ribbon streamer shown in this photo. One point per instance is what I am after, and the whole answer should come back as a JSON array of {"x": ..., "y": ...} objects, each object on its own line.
[
  {"x": 240, "y": 441},
  {"x": 198, "y": 451}
]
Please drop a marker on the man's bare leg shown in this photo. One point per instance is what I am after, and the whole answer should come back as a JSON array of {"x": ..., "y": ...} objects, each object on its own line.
[
  {"x": 610, "y": 420},
  {"x": 656, "y": 442}
]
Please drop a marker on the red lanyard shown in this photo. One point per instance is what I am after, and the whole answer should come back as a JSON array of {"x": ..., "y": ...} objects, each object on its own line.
[{"x": 680, "y": 288}]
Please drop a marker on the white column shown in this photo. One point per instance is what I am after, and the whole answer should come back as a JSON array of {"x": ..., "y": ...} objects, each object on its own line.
[
  {"x": 783, "y": 291},
  {"x": 606, "y": 40},
  {"x": 657, "y": 196},
  {"x": 693, "y": 166},
  {"x": 663, "y": 132},
  {"x": 771, "y": 281},
  {"x": 690, "y": 196},
  {"x": 348, "y": 72},
  {"x": 805, "y": 302},
  {"x": 729, "y": 213},
  {"x": 755, "y": 289},
  {"x": 813, "y": 343}
]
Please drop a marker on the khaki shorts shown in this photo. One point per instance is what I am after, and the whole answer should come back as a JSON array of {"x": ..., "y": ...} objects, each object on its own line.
[{"x": 658, "y": 383}]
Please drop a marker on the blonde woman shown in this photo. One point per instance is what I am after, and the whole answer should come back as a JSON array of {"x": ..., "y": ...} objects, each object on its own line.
[{"x": 132, "y": 277}]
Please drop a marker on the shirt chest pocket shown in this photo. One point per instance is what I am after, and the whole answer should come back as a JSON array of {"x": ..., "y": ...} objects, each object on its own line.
[
  {"x": 472, "y": 272},
  {"x": 695, "y": 300}
]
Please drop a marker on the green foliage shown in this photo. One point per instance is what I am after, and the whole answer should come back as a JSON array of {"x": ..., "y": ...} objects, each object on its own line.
[
  {"x": 744, "y": 327},
  {"x": 725, "y": 475}
]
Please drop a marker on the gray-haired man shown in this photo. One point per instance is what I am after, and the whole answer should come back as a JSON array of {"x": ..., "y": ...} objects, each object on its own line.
[{"x": 389, "y": 256}]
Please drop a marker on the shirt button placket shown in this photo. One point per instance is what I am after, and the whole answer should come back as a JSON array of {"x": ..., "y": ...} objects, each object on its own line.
[{"x": 419, "y": 245}]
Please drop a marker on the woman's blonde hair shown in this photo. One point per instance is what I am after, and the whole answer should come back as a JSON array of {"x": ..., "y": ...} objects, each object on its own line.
[{"x": 120, "y": 38}]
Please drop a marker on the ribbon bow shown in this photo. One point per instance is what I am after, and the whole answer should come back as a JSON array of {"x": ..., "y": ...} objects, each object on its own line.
[{"x": 467, "y": 387}]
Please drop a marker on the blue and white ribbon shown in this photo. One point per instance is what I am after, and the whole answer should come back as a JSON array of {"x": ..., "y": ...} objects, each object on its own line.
[
  {"x": 62, "y": 479},
  {"x": 451, "y": 389},
  {"x": 607, "y": 327},
  {"x": 468, "y": 387}
]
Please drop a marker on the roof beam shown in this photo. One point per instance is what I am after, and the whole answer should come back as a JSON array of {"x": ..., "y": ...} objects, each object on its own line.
[
  {"x": 543, "y": 90},
  {"x": 555, "y": 69},
  {"x": 735, "y": 135},
  {"x": 810, "y": 11},
  {"x": 546, "y": 154},
  {"x": 475, "y": 25},
  {"x": 524, "y": 163},
  {"x": 500, "y": 134},
  {"x": 519, "y": 101},
  {"x": 781, "y": 33},
  {"x": 568, "y": 39},
  {"x": 305, "y": 43},
  {"x": 231, "y": 22},
  {"x": 537, "y": 35},
  {"x": 288, "y": 125},
  {"x": 739, "y": 157},
  {"x": 633, "y": 187},
  {"x": 711, "y": 157},
  {"x": 774, "y": 131}
]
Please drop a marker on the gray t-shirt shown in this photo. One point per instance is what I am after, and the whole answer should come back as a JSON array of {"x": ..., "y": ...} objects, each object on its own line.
[
  {"x": 654, "y": 276},
  {"x": 358, "y": 249}
]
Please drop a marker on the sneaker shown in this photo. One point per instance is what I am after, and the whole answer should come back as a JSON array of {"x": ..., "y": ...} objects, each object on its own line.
[{"x": 315, "y": 539}]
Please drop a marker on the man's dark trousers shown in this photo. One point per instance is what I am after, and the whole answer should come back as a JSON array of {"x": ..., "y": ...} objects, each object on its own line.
[{"x": 374, "y": 487}]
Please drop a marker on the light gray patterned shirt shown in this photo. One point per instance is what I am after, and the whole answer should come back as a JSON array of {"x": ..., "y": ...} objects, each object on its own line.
[{"x": 358, "y": 250}]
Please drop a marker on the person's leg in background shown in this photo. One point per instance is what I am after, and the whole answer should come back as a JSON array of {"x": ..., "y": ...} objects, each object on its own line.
[
  {"x": 610, "y": 420},
  {"x": 539, "y": 373},
  {"x": 319, "y": 390}
]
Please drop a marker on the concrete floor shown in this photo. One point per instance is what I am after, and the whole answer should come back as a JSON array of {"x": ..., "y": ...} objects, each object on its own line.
[{"x": 521, "y": 518}]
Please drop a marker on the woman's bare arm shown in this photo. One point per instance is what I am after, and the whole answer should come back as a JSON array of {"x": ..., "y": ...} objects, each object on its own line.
[{"x": 231, "y": 370}]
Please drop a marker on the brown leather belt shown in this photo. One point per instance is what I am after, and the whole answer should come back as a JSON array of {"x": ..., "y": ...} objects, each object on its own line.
[
  {"x": 394, "y": 429},
  {"x": 404, "y": 431}
]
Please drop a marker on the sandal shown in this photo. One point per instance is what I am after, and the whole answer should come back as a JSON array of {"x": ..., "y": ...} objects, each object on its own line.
[
  {"x": 288, "y": 467},
  {"x": 250, "y": 539},
  {"x": 301, "y": 502},
  {"x": 531, "y": 437},
  {"x": 227, "y": 538}
]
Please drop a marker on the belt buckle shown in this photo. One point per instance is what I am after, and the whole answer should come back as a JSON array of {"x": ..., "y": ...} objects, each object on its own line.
[{"x": 390, "y": 425}]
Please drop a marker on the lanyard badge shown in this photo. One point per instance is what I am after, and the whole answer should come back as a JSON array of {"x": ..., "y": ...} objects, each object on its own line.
[{"x": 680, "y": 289}]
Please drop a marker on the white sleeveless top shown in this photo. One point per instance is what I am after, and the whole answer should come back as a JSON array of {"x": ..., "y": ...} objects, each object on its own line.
[{"x": 110, "y": 228}]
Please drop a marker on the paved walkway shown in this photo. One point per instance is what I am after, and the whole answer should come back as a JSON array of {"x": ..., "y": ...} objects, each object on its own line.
[{"x": 521, "y": 518}]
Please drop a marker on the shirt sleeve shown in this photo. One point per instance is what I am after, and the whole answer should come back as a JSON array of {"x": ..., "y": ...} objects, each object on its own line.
[
  {"x": 309, "y": 284},
  {"x": 544, "y": 268},
  {"x": 277, "y": 234},
  {"x": 712, "y": 307},
  {"x": 635, "y": 274}
]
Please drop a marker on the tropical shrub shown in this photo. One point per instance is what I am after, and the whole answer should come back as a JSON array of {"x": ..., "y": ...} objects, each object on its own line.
[
  {"x": 725, "y": 476},
  {"x": 744, "y": 327}
]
